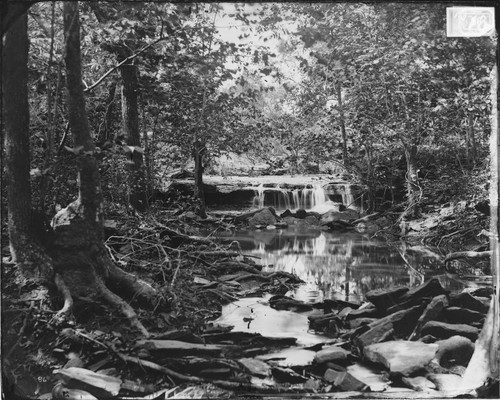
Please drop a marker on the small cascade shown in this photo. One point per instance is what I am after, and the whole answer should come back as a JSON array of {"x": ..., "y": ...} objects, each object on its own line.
[
  {"x": 308, "y": 198},
  {"x": 348, "y": 198},
  {"x": 258, "y": 200}
]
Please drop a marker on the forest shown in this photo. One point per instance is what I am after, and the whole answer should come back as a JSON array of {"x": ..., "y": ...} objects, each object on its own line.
[{"x": 237, "y": 200}]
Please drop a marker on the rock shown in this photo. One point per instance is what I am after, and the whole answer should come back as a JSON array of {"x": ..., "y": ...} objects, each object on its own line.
[
  {"x": 428, "y": 339},
  {"x": 401, "y": 356},
  {"x": 215, "y": 373},
  {"x": 446, "y": 382},
  {"x": 444, "y": 330},
  {"x": 344, "y": 381},
  {"x": 456, "y": 350},
  {"x": 287, "y": 303},
  {"x": 483, "y": 292},
  {"x": 336, "y": 216},
  {"x": 256, "y": 367},
  {"x": 320, "y": 322},
  {"x": 264, "y": 217},
  {"x": 367, "y": 227},
  {"x": 431, "y": 288},
  {"x": 364, "y": 313},
  {"x": 375, "y": 379},
  {"x": 456, "y": 315},
  {"x": 332, "y": 353},
  {"x": 291, "y": 357},
  {"x": 465, "y": 300},
  {"x": 301, "y": 213},
  {"x": 311, "y": 220},
  {"x": 287, "y": 375},
  {"x": 334, "y": 304},
  {"x": 385, "y": 298},
  {"x": 286, "y": 213},
  {"x": 430, "y": 313},
  {"x": 408, "y": 304},
  {"x": 382, "y": 330},
  {"x": 418, "y": 383},
  {"x": 356, "y": 323},
  {"x": 345, "y": 312}
]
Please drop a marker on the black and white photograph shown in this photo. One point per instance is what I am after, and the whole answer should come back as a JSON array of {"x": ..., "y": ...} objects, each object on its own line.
[{"x": 274, "y": 200}]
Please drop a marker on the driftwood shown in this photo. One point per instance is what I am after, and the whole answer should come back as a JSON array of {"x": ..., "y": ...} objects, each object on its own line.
[{"x": 467, "y": 254}]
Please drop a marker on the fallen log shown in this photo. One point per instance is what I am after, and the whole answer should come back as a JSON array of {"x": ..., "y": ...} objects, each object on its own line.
[{"x": 467, "y": 254}]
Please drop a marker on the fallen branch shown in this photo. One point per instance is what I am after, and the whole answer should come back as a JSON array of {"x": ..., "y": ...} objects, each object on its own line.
[
  {"x": 126, "y": 60},
  {"x": 467, "y": 254}
]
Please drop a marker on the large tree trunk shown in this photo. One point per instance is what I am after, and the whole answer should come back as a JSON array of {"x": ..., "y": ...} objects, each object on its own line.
[
  {"x": 130, "y": 117},
  {"x": 82, "y": 264},
  {"x": 26, "y": 252}
]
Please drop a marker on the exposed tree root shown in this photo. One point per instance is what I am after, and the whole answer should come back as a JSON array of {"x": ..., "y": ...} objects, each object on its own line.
[
  {"x": 67, "y": 308},
  {"x": 121, "y": 281},
  {"x": 118, "y": 303}
]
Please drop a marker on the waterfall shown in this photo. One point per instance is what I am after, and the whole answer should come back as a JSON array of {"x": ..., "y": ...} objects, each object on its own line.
[
  {"x": 347, "y": 197},
  {"x": 282, "y": 199}
]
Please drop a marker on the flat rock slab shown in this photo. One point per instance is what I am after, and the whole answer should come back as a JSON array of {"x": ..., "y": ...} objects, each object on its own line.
[
  {"x": 418, "y": 383},
  {"x": 457, "y": 315},
  {"x": 383, "y": 329},
  {"x": 176, "y": 346},
  {"x": 430, "y": 313},
  {"x": 332, "y": 353},
  {"x": 256, "y": 367},
  {"x": 443, "y": 330},
  {"x": 344, "y": 381},
  {"x": 465, "y": 300},
  {"x": 364, "y": 313},
  {"x": 385, "y": 298},
  {"x": 400, "y": 356},
  {"x": 375, "y": 379},
  {"x": 287, "y": 375},
  {"x": 431, "y": 288},
  {"x": 291, "y": 357}
]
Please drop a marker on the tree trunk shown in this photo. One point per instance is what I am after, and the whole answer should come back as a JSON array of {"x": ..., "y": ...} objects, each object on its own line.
[
  {"x": 471, "y": 140},
  {"x": 199, "y": 192},
  {"x": 83, "y": 264},
  {"x": 130, "y": 117},
  {"x": 25, "y": 251},
  {"x": 412, "y": 187},
  {"x": 342, "y": 124},
  {"x": 104, "y": 134}
]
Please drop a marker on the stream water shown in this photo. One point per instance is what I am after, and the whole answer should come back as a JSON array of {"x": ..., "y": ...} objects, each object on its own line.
[{"x": 333, "y": 265}]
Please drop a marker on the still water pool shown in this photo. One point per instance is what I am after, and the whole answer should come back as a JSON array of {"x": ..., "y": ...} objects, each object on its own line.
[{"x": 339, "y": 265}]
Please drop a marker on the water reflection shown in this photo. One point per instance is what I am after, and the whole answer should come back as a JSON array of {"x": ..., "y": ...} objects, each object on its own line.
[{"x": 334, "y": 265}]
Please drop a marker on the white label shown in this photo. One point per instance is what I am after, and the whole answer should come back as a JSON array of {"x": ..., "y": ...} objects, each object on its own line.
[{"x": 470, "y": 21}]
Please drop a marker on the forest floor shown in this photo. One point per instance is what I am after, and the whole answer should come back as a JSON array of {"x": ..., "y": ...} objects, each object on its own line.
[{"x": 188, "y": 355}]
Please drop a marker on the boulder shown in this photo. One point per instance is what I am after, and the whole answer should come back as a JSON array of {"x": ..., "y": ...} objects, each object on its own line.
[
  {"x": 301, "y": 213},
  {"x": 456, "y": 315},
  {"x": 287, "y": 303},
  {"x": 456, "y": 350},
  {"x": 430, "y": 313},
  {"x": 336, "y": 216},
  {"x": 466, "y": 300},
  {"x": 408, "y": 304},
  {"x": 312, "y": 220},
  {"x": 264, "y": 217},
  {"x": 384, "y": 329},
  {"x": 320, "y": 322},
  {"x": 401, "y": 356},
  {"x": 431, "y": 288},
  {"x": 344, "y": 381},
  {"x": 444, "y": 330},
  {"x": 385, "y": 298},
  {"x": 356, "y": 323},
  {"x": 331, "y": 353}
]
